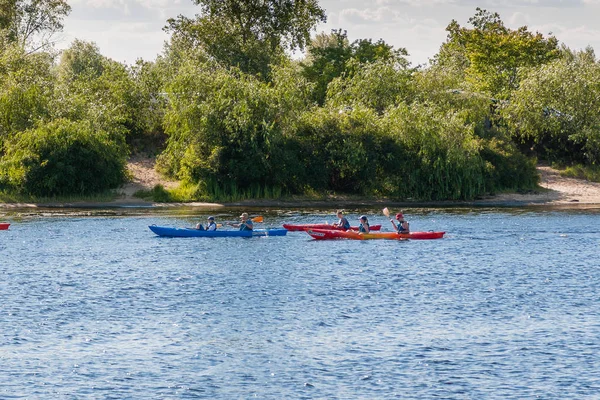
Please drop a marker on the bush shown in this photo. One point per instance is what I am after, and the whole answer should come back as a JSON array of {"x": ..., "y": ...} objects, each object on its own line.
[
  {"x": 508, "y": 169},
  {"x": 62, "y": 158},
  {"x": 441, "y": 154},
  {"x": 338, "y": 150}
]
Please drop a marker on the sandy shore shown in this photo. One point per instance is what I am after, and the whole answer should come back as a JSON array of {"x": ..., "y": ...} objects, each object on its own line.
[{"x": 555, "y": 191}]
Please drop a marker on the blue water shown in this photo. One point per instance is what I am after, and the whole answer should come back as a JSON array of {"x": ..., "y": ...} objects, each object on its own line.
[{"x": 506, "y": 306}]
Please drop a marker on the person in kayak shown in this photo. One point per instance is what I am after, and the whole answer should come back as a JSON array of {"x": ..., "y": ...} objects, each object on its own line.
[
  {"x": 403, "y": 226},
  {"x": 364, "y": 224},
  {"x": 210, "y": 226},
  {"x": 245, "y": 223},
  {"x": 343, "y": 222}
]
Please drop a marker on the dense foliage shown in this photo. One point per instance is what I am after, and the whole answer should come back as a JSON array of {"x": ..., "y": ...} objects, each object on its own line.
[
  {"x": 251, "y": 34},
  {"x": 230, "y": 114},
  {"x": 556, "y": 109},
  {"x": 62, "y": 157},
  {"x": 490, "y": 54}
]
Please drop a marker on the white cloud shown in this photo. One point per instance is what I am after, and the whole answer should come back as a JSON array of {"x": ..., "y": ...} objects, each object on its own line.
[
  {"x": 379, "y": 15},
  {"x": 414, "y": 3},
  {"x": 128, "y": 29},
  {"x": 519, "y": 19}
]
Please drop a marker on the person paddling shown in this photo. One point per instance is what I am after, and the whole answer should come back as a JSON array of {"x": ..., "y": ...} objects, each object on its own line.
[
  {"x": 343, "y": 222},
  {"x": 403, "y": 226},
  {"x": 245, "y": 223},
  {"x": 364, "y": 224}
]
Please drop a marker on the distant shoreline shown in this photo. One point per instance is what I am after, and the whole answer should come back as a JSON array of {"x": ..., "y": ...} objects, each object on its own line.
[{"x": 556, "y": 191}]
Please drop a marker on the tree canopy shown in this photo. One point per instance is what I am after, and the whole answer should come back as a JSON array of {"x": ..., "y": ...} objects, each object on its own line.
[
  {"x": 492, "y": 54},
  {"x": 31, "y": 23},
  {"x": 248, "y": 34}
]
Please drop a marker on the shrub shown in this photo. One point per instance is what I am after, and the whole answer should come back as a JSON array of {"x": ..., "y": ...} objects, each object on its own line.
[{"x": 62, "y": 158}]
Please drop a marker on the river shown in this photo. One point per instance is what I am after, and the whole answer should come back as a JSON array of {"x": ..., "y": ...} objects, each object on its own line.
[{"x": 94, "y": 305}]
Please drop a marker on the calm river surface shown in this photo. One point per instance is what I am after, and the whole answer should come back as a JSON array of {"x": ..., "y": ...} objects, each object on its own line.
[{"x": 94, "y": 305}]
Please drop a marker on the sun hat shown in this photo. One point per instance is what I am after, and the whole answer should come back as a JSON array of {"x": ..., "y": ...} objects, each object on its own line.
[
  {"x": 244, "y": 215},
  {"x": 399, "y": 216},
  {"x": 363, "y": 217},
  {"x": 211, "y": 218}
]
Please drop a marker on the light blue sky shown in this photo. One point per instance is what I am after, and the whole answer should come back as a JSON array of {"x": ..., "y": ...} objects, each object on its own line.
[{"x": 129, "y": 29}]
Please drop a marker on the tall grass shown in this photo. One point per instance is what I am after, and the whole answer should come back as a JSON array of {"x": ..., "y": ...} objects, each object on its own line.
[
  {"x": 588, "y": 172},
  {"x": 210, "y": 192},
  {"x": 7, "y": 196}
]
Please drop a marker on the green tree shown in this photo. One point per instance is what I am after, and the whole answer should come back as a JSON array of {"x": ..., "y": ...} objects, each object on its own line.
[
  {"x": 440, "y": 156},
  {"x": 341, "y": 152},
  {"x": 26, "y": 89},
  {"x": 555, "y": 109},
  {"x": 326, "y": 60},
  {"x": 377, "y": 85},
  {"x": 492, "y": 54},
  {"x": 82, "y": 60},
  {"x": 331, "y": 56},
  {"x": 94, "y": 88},
  {"x": 231, "y": 131},
  {"x": 31, "y": 23},
  {"x": 248, "y": 34},
  {"x": 149, "y": 80},
  {"x": 367, "y": 51},
  {"x": 219, "y": 124}
]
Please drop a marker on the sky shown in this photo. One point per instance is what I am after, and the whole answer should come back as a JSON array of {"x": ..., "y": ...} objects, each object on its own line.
[{"x": 126, "y": 30}]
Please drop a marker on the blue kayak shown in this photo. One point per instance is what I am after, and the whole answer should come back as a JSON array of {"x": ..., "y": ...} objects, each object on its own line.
[{"x": 190, "y": 232}]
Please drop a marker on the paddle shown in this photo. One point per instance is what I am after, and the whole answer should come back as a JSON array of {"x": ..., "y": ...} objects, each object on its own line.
[
  {"x": 386, "y": 212},
  {"x": 258, "y": 219}
]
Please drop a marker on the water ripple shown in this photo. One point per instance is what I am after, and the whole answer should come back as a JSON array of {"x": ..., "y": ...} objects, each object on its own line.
[{"x": 505, "y": 307}]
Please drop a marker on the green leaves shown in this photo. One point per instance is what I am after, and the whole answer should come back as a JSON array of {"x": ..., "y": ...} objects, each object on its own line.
[
  {"x": 251, "y": 34},
  {"x": 491, "y": 54},
  {"x": 376, "y": 85},
  {"x": 30, "y": 23},
  {"x": 331, "y": 56},
  {"x": 556, "y": 109},
  {"x": 62, "y": 157},
  {"x": 26, "y": 89}
]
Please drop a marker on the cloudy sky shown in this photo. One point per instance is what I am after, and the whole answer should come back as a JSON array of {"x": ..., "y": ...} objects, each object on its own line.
[{"x": 129, "y": 29}]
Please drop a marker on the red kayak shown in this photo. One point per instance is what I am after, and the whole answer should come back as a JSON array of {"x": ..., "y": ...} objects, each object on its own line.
[
  {"x": 304, "y": 227},
  {"x": 327, "y": 234},
  {"x": 4, "y": 226}
]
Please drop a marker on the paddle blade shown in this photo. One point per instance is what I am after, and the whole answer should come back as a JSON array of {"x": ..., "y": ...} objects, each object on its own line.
[
  {"x": 386, "y": 212},
  {"x": 257, "y": 219}
]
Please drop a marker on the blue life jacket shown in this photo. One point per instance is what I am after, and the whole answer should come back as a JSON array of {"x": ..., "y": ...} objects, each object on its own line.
[
  {"x": 211, "y": 227},
  {"x": 401, "y": 229},
  {"x": 361, "y": 228},
  {"x": 344, "y": 223},
  {"x": 243, "y": 226}
]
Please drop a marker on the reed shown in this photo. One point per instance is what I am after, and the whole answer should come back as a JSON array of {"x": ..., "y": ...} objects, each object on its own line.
[
  {"x": 588, "y": 172},
  {"x": 7, "y": 196}
]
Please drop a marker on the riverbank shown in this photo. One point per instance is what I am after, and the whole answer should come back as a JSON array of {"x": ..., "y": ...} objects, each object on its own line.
[{"x": 555, "y": 190}]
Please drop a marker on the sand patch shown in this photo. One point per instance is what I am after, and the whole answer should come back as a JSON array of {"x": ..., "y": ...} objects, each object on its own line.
[{"x": 144, "y": 177}]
